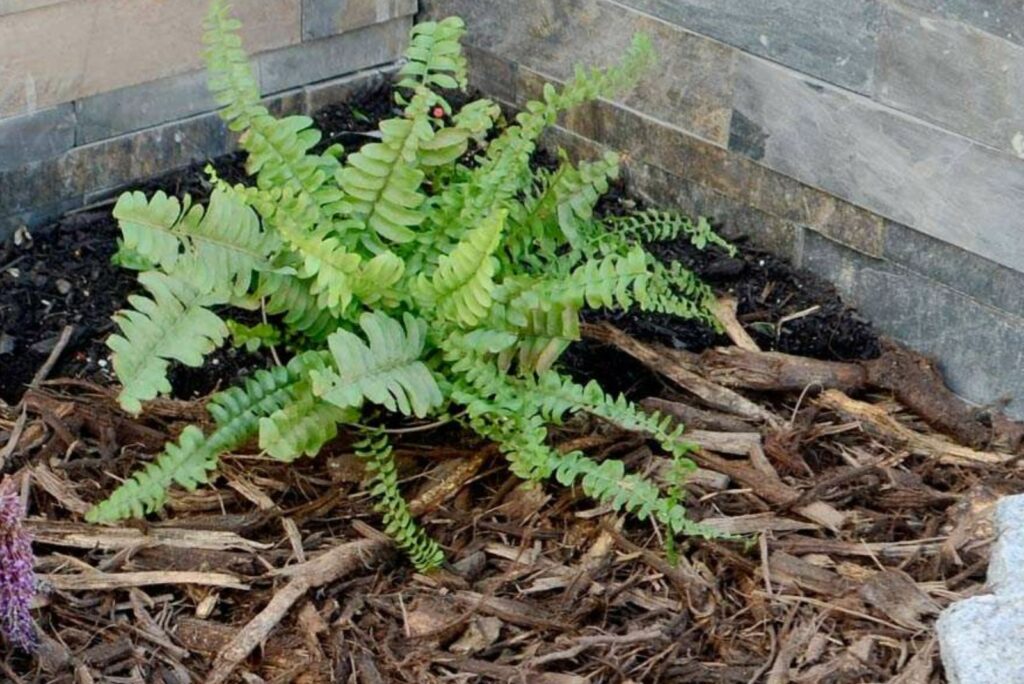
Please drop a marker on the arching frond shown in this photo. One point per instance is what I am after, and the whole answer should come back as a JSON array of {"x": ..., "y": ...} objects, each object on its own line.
[
  {"x": 173, "y": 324},
  {"x": 387, "y": 369}
]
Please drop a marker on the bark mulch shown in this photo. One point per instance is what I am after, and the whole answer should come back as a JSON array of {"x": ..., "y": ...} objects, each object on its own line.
[{"x": 852, "y": 491}]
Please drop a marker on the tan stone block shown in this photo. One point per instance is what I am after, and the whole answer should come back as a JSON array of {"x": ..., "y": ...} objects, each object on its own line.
[{"x": 73, "y": 49}]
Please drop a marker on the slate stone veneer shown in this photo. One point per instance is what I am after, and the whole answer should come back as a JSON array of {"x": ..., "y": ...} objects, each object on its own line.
[
  {"x": 879, "y": 143},
  {"x": 98, "y": 94}
]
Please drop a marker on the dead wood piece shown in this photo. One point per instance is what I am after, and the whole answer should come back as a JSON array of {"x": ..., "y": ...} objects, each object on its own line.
[
  {"x": 895, "y": 593},
  {"x": 83, "y": 536},
  {"x": 203, "y": 636},
  {"x": 713, "y": 395},
  {"x": 149, "y": 627},
  {"x": 509, "y": 673},
  {"x": 793, "y": 642},
  {"x": 122, "y": 580},
  {"x": 696, "y": 418},
  {"x": 449, "y": 477},
  {"x": 665, "y": 472},
  {"x": 790, "y": 570},
  {"x": 755, "y": 522},
  {"x": 509, "y": 610},
  {"x": 14, "y": 438},
  {"x": 736, "y": 443},
  {"x": 51, "y": 360},
  {"x": 911, "y": 377},
  {"x": 777, "y": 372},
  {"x": 580, "y": 644},
  {"x": 800, "y": 545},
  {"x": 328, "y": 567},
  {"x": 61, "y": 490},
  {"x": 918, "y": 384},
  {"x": 771, "y": 489},
  {"x": 724, "y": 309},
  {"x": 876, "y": 421}
]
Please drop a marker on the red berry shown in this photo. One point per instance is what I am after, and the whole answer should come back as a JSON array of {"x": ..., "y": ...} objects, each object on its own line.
[{"x": 437, "y": 112}]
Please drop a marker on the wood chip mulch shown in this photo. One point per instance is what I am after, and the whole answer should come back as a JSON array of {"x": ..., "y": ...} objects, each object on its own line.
[{"x": 848, "y": 523}]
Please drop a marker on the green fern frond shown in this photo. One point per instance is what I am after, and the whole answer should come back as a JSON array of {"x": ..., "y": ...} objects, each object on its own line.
[
  {"x": 188, "y": 462},
  {"x": 655, "y": 225},
  {"x": 434, "y": 56},
  {"x": 386, "y": 369},
  {"x": 613, "y": 281},
  {"x": 293, "y": 298},
  {"x": 375, "y": 281},
  {"x": 423, "y": 551},
  {"x": 214, "y": 248},
  {"x": 278, "y": 148},
  {"x": 564, "y": 204},
  {"x": 174, "y": 324},
  {"x": 303, "y": 426},
  {"x": 505, "y": 171},
  {"x": 382, "y": 181},
  {"x": 461, "y": 286}
]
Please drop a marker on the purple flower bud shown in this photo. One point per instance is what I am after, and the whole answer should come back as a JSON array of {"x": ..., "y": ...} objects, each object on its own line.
[{"x": 17, "y": 579}]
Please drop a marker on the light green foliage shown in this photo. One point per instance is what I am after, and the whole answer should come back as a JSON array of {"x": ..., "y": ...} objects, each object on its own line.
[
  {"x": 386, "y": 369},
  {"x": 418, "y": 283},
  {"x": 423, "y": 551}
]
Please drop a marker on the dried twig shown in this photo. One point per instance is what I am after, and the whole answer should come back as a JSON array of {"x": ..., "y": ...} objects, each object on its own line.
[
  {"x": 123, "y": 580},
  {"x": 328, "y": 567},
  {"x": 724, "y": 309},
  {"x": 51, "y": 360},
  {"x": 711, "y": 394}
]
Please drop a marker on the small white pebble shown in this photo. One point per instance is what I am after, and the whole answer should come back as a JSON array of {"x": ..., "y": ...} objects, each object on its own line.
[
  {"x": 760, "y": 262},
  {"x": 216, "y": 362},
  {"x": 102, "y": 363}
]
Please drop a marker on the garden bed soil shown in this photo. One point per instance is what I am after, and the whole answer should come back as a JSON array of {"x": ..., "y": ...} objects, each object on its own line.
[{"x": 850, "y": 521}]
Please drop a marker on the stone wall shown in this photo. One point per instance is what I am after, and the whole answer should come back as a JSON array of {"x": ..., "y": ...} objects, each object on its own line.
[
  {"x": 876, "y": 142},
  {"x": 97, "y": 94}
]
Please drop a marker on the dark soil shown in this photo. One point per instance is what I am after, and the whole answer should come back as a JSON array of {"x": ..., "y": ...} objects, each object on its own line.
[{"x": 63, "y": 276}]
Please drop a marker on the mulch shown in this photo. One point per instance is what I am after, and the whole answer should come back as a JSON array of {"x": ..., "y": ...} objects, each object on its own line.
[{"x": 848, "y": 520}]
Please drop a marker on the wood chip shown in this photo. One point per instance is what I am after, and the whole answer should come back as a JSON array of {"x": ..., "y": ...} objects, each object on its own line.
[{"x": 124, "y": 580}]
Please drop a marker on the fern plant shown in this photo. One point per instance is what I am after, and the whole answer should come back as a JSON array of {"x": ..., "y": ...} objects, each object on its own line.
[{"x": 418, "y": 282}]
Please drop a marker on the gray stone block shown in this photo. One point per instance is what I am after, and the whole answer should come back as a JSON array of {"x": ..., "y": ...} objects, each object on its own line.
[
  {"x": 690, "y": 87},
  {"x": 109, "y": 164},
  {"x": 492, "y": 74},
  {"x": 12, "y": 6},
  {"x": 834, "y": 41},
  {"x": 1003, "y": 18},
  {"x": 952, "y": 74},
  {"x": 979, "y": 639},
  {"x": 328, "y": 58},
  {"x": 114, "y": 113},
  {"x": 323, "y": 18},
  {"x": 939, "y": 183},
  {"x": 136, "y": 156},
  {"x": 33, "y": 137},
  {"x": 1006, "y": 567},
  {"x": 37, "y": 184},
  {"x": 978, "y": 346},
  {"x": 971, "y": 274}
]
